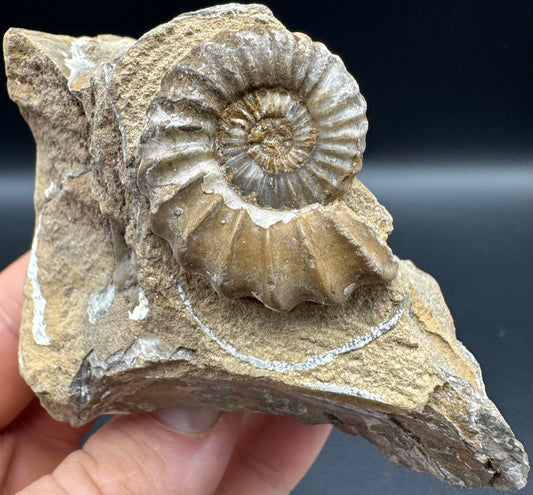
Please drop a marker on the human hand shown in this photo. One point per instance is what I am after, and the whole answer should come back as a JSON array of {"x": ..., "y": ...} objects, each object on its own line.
[{"x": 178, "y": 450}]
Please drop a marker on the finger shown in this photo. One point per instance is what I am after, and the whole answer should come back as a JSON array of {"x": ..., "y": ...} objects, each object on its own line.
[
  {"x": 14, "y": 393},
  {"x": 138, "y": 454},
  {"x": 33, "y": 445},
  {"x": 272, "y": 455}
]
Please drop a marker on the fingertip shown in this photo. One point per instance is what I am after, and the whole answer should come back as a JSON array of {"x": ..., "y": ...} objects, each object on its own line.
[
  {"x": 139, "y": 454},
  {"x": 187, "y": 420},
  {"x": 14, "y": 393},
  {"x": 11, "y": 296}
]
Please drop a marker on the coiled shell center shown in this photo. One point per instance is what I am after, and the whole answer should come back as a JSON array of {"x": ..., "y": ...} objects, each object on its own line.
[
  {"x": 269, "y": 141},
  {"x": 262, "y": 139}
]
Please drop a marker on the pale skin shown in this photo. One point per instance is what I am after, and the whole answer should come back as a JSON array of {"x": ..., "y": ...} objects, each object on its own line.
[{"x": 174, "y": 451}]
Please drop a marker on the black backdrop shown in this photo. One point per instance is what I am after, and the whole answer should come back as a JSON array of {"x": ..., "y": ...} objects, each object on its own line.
[
  {"x": 452, "y": 77},
  {"x": 449, "y": 86}
]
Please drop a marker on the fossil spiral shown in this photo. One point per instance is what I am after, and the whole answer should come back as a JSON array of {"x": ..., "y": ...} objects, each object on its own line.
[{"x": 246, "y": 153}]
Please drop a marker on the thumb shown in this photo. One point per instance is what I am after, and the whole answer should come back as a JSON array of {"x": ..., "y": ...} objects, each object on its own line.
[{"x": 177, "y": 450}]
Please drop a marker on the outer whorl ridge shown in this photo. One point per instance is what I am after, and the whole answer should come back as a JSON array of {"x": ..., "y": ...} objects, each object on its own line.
[{"x": 246, "y": 152}]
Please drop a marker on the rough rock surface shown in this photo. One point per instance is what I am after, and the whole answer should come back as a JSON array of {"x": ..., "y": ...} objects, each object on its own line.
[{"x": 111, "y": 322}]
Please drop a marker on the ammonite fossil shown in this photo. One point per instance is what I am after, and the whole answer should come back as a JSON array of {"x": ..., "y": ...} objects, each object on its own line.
[{"x": 247, "y": 151}]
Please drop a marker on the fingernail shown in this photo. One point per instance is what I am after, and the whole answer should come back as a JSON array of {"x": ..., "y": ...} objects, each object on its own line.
[{"x": 188, "y": 419}]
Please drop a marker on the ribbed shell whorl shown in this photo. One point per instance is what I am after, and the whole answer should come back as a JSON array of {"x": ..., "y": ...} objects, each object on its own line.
[{"x": 246, "y": 151}]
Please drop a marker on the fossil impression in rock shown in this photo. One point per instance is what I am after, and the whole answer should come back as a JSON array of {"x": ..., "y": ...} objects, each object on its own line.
[
  {"x": 220, "y": 151},
  {"x": 247, "y": 151}
]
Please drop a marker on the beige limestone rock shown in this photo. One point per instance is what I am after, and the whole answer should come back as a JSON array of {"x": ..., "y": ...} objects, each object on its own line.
[{"x": 112, "y": 323}]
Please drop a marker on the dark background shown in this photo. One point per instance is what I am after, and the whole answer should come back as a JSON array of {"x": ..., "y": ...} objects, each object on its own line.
[
  {"x": 441, "y": 77},
  {"x": 449, "y": 86}
]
